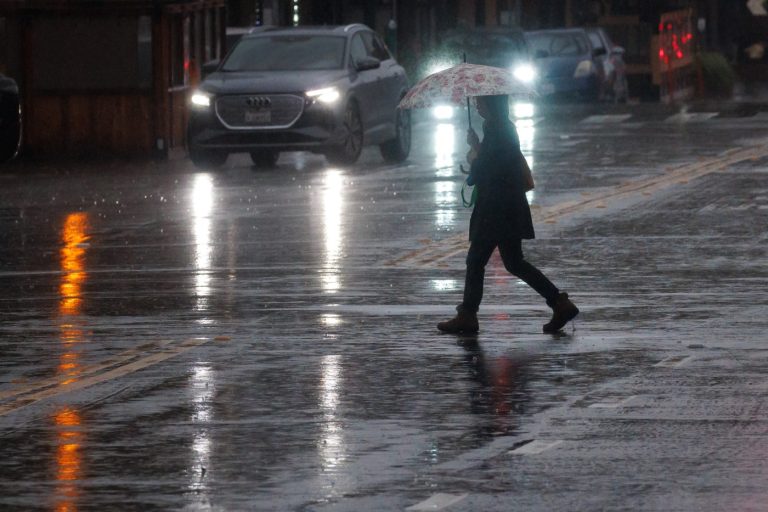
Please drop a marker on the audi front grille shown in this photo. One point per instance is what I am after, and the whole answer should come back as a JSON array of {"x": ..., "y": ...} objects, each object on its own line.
[{"x": 259, "y": 111}]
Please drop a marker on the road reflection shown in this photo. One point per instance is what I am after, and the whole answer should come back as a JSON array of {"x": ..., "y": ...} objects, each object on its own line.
[
  {"x": 444, "y": 146},
  {"x": 201, "y": 386},
  {"x": 69, "y": 427},
  {"x": 201, "y": 206},
  {"x": 333, "y": 208},
  {"x": 526, "y": 130},
  {"x": 201, "y": 389},
  {"x": 331, "y": 443},
  {"x": 446, "y": 196},
  {"x": 500, "y": 394},
  {"x": 446, "y": 190}
]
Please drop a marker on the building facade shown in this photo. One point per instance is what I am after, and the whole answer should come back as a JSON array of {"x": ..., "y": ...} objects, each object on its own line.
[{"x": 107, "y": 77}]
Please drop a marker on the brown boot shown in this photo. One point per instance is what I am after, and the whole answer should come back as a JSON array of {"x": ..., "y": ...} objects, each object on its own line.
[
  {"x": 563, "y": 311},
  {"x": 464, "y": 322}
]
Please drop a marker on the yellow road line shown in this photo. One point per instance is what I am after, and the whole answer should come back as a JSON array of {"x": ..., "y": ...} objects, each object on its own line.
[
  {"x": 447, "y": 248},
  {"x": 126, "y": 363}
]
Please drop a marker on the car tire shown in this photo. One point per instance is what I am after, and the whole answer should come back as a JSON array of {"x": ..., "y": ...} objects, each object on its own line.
[
  {"x": 350, "y": 150},
  {"x": 207, "y": 158},
  {"x": 621, "y": 90},
  {"x": 398, "y": 149},
  {"x": 10, "y": 133},
  {"x": 264, "y": 159}
]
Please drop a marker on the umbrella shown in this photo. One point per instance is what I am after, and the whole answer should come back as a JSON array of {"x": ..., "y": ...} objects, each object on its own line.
[{"x": 455, "y": 85}]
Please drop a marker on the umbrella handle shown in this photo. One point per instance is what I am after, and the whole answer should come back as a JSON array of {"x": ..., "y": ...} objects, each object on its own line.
[{"x": 469, "y": 117}]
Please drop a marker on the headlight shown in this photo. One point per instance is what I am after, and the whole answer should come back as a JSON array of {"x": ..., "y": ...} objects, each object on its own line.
[
  {"x": 442, "y": 112},
  {"x": 436, "y": 67},
  {"x": 325, "y": 95},
  {"x": 525, "y": 73},
  {"x": 585, "y": 68},
  {"x": 201, "y": 99}
]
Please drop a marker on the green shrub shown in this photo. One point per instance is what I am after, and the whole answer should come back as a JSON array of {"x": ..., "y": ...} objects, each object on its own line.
[{"x": 719, "y": 77}]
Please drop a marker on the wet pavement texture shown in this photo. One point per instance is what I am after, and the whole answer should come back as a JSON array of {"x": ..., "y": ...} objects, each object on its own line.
[{"x": 264, "y": 340}]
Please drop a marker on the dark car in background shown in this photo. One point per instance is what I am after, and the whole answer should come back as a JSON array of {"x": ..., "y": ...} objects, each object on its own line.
[
  {"x": 328, "y": 90},
  {"x": 498, "y": 47},
  {"x": 10, "y": 118},
  {"x": 573, "y": 62}
]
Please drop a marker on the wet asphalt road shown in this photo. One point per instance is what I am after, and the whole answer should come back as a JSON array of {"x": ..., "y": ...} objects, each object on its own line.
[{"x": 264, "y": 340}]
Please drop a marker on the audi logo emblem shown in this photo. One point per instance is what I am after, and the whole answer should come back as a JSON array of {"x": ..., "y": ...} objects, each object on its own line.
[{"x": 258, "y": 101}]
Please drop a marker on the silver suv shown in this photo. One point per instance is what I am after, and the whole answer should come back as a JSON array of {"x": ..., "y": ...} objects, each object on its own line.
[{"x": 328, "y": 90}]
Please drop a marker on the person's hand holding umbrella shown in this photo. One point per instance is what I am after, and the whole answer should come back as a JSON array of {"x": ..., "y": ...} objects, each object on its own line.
[
  {"x": 473, "y": 141},
  {"x": 457, "y": 84}
]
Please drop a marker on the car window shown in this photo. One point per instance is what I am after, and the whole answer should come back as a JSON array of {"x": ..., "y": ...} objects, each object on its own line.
[
  {"x": 380, "y": 49},
  {"x": 596, "y": 40},
  {"x": 358, "y": 50},
  {"x": 286, "y": 53},
  {"x": 558, "y": 45}
]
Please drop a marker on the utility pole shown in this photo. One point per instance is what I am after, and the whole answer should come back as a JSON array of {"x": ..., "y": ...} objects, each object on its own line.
[{"x": 391, "y": 35}]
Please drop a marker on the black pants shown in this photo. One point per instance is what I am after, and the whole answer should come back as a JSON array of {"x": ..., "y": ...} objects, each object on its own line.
[{"x": 511, "y": 252}]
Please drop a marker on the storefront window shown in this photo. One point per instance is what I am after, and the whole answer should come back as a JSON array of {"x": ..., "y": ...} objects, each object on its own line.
[
  {"x": 145, "y": 52},
  {"x": 91, "y": 53}
]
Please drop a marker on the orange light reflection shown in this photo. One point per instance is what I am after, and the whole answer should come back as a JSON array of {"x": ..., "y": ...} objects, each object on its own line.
[{"x": 68, "y": 421}]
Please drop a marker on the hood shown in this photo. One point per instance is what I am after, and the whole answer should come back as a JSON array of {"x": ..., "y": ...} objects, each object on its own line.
[
  {"x": 559, "y": 66},
  {"x": 8, "y": 85},
  {"x": 250, "y": 82}
]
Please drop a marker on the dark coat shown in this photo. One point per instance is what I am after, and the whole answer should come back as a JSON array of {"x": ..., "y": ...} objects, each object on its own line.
[{"x": 501, "y": 210}]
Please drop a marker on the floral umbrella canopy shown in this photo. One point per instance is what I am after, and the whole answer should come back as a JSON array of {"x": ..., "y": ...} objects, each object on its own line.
[{"x": 455, "y": 85}]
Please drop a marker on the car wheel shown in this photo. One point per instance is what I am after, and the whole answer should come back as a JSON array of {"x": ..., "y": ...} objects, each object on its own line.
[
  {"x": 621, "y": 90},
  {"x": 264, "y": 159},
  {"x": 349, "y": 151},
  {"x": 207, "y": 158},
  {"x": 10, "y": 134},
  {"x": 397, "y": 149}
]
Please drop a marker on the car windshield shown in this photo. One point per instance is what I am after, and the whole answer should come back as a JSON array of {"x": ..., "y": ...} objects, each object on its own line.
[
  {"x": 486, "y": 48},
  {"x": 286, "y": 53},
  {"x": 557, "y": 45}
]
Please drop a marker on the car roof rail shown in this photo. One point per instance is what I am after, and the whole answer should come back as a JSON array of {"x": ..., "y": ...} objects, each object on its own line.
[
  {"x": 354, "y": 25},
  {"x": 264, "y": 28}
]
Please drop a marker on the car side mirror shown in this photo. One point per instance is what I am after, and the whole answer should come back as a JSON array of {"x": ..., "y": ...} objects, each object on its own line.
[
  {"x": 599, "y": 52},
  {"x": 367, "y": 63},
  {"x": 540, "y": 54},
  {"x": 210, "y": 67},
  {"x": 618, "y": 50}
]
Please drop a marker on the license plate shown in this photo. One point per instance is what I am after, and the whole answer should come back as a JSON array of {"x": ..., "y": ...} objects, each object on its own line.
[{"x": 258, "y": 116}]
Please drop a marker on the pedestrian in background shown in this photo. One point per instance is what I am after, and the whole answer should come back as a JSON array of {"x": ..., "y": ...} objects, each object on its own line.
[{"x": 501, "y": 218}]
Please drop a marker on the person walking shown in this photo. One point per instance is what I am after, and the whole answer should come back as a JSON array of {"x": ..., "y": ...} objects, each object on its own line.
[{"x": 501, "y": 218}]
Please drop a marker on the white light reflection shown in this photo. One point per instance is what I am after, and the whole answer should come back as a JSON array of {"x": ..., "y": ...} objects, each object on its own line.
[
  {"x": 526, "y": 131},
  {"x": 201, "y": 390},
  {"x": 444, "y": 146},
  {"x": 444, "y": 285},
  {"x": 445, "y": 200},
  {"x": 201, "y": 201},
  {"x": 332, "y": 442},
  {"x": 442, "y": 112},
  {"x": 524, "y": 110},
  {"x": 333, "y": 206},
  {"x": 330, "y": 319}
]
